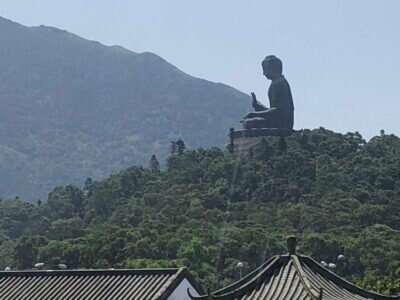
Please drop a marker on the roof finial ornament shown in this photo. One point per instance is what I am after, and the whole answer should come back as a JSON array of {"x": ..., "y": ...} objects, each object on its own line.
[{"x": 291, "y": 244}]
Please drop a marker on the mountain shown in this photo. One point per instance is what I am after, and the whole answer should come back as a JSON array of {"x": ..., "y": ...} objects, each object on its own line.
[{"x": 71, "y": 108}]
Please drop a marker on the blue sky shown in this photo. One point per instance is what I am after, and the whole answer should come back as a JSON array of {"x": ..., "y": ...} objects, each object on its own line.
[{"x": 340, "y": 57}]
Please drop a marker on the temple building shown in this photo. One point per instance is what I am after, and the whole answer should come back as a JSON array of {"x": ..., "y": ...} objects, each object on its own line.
[
  {"x": 284, "y": 277},
  {"x": 292, "y": 277},
  {"x": 141, "y": 284}
]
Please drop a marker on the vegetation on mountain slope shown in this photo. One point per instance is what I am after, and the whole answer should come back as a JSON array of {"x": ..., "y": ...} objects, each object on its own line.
[{"x": 209, "y": 210}]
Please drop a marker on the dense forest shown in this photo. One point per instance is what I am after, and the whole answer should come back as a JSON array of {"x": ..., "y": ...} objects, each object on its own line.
[{"x": 208, "y": 210}]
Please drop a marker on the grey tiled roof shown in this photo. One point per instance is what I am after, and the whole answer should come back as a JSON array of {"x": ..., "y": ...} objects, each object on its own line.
[
  {"x": 138, "y": 284},
  {"x": 292, "y": 277}
]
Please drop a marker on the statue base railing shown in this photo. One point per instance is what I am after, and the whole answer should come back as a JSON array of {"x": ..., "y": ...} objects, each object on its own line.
[{"x": 242, "y": 141}]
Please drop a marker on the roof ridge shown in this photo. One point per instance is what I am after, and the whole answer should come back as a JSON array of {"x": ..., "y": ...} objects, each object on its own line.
[
  {"x": 86, "y": 272},
  {"x": 168, "y": 284},
  {"x": 303, "y": 279}
]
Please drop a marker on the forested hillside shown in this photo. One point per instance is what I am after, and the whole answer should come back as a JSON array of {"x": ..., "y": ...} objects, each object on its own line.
[
  {"x": 72, "y": 108},
  {"x": 209, "y": 210}
]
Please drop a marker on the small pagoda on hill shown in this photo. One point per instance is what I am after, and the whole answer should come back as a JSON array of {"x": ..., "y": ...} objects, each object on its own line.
[{"x": 292, "y": 277}]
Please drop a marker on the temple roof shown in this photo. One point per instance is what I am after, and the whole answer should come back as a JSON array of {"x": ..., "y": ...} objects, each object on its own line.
[
  {"x": 294, "y": 277},
  {"x": 136, "y": 284}
]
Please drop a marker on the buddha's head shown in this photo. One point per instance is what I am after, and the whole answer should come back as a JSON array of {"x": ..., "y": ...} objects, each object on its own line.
[{"x": 272, "y": 67}]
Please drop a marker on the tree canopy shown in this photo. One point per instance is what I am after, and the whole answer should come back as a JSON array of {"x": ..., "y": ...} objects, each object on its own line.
[{"x": 210, "y": 210}]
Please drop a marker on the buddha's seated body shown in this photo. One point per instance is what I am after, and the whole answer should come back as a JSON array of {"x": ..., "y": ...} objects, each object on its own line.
[{"x": 280, "y": 114}]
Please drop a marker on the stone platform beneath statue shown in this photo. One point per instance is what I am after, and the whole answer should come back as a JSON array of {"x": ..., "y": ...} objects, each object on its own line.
[{"x": 241, "y": 141}]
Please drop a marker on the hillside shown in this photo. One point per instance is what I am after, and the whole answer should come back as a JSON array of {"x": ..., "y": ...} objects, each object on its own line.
[
  {"x": 72, "y": 108},
  {"x": 338, "y": 193}
]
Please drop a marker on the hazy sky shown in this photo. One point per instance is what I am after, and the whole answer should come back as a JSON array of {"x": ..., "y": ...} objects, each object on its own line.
[{"x": 340, "y": 57}]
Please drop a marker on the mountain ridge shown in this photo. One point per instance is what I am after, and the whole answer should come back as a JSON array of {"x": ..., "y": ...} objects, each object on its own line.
[{"x": 71, "y": 108}]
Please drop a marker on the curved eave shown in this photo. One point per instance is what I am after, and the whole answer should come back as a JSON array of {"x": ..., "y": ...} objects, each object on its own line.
[
  {"x": 261, "y": 269},
  {"x": 343, "y": 282},
  {"x": 253, "y": 280}
]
